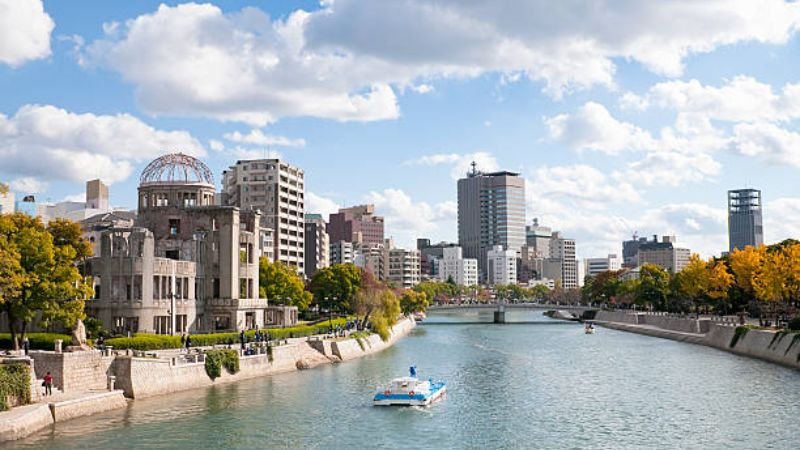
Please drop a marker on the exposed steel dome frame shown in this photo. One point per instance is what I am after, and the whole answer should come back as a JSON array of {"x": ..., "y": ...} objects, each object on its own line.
[{"x": 176, "y": 168}]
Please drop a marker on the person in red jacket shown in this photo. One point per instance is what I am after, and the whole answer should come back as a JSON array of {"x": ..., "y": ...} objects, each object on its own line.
[{"x": 48, "y": 384}]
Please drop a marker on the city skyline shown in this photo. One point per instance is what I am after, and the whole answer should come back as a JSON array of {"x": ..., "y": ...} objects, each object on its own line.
[{"x": 647, "y": 133}]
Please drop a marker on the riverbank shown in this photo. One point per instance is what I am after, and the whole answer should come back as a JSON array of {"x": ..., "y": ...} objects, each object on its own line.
[
  {"x": 768, "y": 345},
  {"x": 131, "y": 377}
]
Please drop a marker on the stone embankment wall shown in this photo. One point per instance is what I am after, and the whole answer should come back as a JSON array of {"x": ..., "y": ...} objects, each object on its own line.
[
  {"x": 350, "y": 348},
  {"x": 781, "y": 348},
  {"x": 74, "y": 371},
  {"x": 147, "y": 377}
]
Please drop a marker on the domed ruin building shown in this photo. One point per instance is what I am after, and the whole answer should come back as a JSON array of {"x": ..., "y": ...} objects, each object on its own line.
[{"x": 187, "y": 264}]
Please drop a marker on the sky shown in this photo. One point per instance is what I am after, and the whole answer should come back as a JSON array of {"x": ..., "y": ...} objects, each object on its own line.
[{"x": 624, "y": 117}]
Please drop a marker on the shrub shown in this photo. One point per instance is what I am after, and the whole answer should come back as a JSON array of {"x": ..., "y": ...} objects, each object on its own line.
[
  {"x": 15, "y": 381},
  {"x": 38, "y": 341},
  {"x": 145, "y": 342},
  {"x": 739, "y": 334},
  {"x": 794, "y": 324},
  {"x": 217, "y": 359}
]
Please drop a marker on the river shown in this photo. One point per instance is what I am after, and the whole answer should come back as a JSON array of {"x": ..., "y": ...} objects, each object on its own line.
[{"x": 509, "y": 386}]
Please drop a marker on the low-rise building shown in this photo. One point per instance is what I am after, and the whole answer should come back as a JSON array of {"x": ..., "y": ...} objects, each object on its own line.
[
  {"x": 341, "y": 252},
  {"x": 501, "y": 266},
  {"x": 664, "y": 254},
  {"x": 595, "y": 266},
  {"x": 453, "y": 266}
]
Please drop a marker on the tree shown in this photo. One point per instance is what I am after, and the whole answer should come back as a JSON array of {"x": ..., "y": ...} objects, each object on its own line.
[
  {"x": 377, "y": 304},
  {"x": 334, "y": 287},
  {"x": 719, "y": 282},
  {"x": 653, "y": 286},
  {"x": 693, "y": 280},
  {"x": 49, "y": 282},
  {"x": 412, "y": 301},
  {"x": 746, "y": 265},
  {"x": 280, "y": 284}
]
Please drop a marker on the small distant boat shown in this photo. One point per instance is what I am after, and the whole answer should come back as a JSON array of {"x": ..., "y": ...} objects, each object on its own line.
[
  {"x": 410, "y": 391},
  {"x": 419, "y": 316},
  {"x": 588, "y": 329}
]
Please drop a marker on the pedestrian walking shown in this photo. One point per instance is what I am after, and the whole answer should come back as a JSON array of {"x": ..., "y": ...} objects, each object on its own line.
[
  {"x": 48, "y": 384},
  {"x": 26, "y": 345},
  {"x": 188, "y": 343}
]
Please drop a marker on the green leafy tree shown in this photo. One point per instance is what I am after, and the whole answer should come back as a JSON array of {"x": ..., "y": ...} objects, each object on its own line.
[
  {"x": 334, "y": 287},
  {"x": 280, "y": 284},
  {"x": 412, "y": 301},
  {"x": 653, "y": 286},
  {"x": 50, "y": 283}
]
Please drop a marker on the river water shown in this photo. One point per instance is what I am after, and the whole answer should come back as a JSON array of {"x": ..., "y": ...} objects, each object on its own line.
[{"x": 530, "y": 385}]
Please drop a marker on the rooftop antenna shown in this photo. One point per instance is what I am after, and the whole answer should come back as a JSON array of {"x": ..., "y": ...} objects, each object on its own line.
[{"x": 474, "y": 171}]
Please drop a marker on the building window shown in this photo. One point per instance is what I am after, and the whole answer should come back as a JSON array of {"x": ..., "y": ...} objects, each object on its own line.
[
  {"x": 161, "y": 324},
  {"x": 216, "y": 288},
  {"x": 174, "y": 227},
  {"x": 172, "y": 254},
  {"x": 222, "y": 322}
]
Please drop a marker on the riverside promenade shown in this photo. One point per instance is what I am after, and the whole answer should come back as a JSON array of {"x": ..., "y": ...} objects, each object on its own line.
[
  {"x": 775, "y": 346},
  {"x": 89, "y": 382}
]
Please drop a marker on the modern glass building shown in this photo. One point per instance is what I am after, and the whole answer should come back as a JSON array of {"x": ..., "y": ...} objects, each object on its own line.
[
  {"x": 744, "y": 219},
  {"x": 491, "y": 211}
]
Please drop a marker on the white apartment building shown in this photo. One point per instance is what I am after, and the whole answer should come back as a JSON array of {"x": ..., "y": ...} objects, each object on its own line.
[
  {"x": 595, "y": 266},
  {"x": 341, "y": 252},
  {"x": 452, "y": 265},
  {"x": 317, "y": 246},
  {"x": 277, "y": 189},
  {"x": 501, "y": 265},
  {"x": 402, "y": 267},
  {"x": 563, "y": 250}
]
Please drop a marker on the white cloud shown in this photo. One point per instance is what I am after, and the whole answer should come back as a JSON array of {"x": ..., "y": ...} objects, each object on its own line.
[
  {"x": 80, "y": 198},
  {"x": 46, "y": 141},
  {"x": 592, "y": 127},
  {"x": 423, "y": 88},
  {"x": 24, "y": 31},
  {"x": 672, "y": 169},
  {"x": 461, "y": 163},
  {"x": 342, "y": 61},
  {"x": 781, "y": 219},
  {"x": 321, "y": 205},
  {"x": 28, "y": 185},
  {"x": 742, "y": 99},
  {"x": 765, "y": 140},
  {"x": 579, "y": 186},
  {"x": 258, "y": 137},
  {"x": 406, "y": 219}
]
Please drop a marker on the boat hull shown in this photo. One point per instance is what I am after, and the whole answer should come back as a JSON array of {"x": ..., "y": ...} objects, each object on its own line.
[{"x": 402, "y": 399}]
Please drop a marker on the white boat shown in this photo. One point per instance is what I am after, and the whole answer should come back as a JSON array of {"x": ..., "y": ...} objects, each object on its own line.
[
  {"x": 589, "y": 329},
  {"x": 409, "y": 391},
  {"x": 419, "y": 316}
]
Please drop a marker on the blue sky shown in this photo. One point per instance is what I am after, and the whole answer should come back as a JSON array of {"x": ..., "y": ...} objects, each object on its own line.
[{"x": 623, "y": 117}]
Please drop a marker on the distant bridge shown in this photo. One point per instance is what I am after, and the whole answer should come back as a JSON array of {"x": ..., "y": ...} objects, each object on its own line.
[{"x": 500, "y": 308}]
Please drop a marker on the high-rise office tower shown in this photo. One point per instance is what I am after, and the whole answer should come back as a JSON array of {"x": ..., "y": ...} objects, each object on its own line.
[
  {"x": 744, "y": 219},
  {"x": 277, "y": 190},
  {"x": 491, "y": 211}
]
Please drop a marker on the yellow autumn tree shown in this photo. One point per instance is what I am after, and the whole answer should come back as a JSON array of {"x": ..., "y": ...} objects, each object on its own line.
[
  {"x": 719, "y": 281},
  {"x": 746, "y": 265},
  {"x": 693, "y": 280}
]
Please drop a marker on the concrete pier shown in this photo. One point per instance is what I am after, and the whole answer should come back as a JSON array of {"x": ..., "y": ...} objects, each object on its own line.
[{"x": 500, "y": 314}]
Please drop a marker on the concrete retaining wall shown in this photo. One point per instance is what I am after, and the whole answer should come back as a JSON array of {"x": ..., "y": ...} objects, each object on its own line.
[
  {"x": 146, "y": 377},
  {"x": 86, "y": 406},
  {"x": 755, "y": 343},
  {"x": 24, "y": 421},
  {"x": 617, "y": 316}
]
